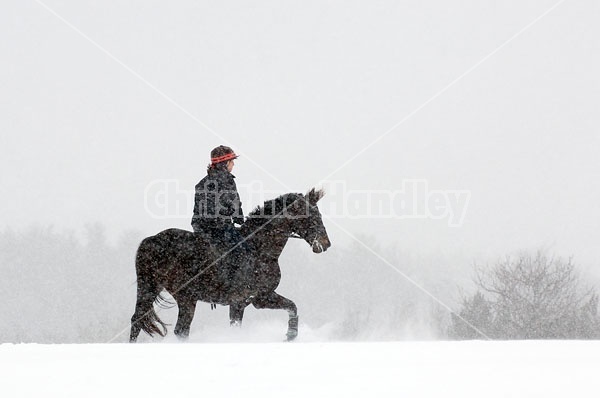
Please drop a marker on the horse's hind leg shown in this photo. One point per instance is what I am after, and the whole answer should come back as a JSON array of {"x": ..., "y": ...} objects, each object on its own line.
[
  {"x": 186, "y": 308},
  {"x": 236, "y": 313},
  {"x": 274, "y": 301},
  {"x": 135, "y": 328}
]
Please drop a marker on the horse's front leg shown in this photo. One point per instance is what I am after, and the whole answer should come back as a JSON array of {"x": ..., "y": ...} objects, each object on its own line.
[
  {"x": 236, "y": 313},
  {"x": 274, "y": 301}
]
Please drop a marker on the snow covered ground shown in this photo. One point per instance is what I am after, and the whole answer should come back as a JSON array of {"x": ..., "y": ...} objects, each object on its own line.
[{"x": 303, "y": 369}]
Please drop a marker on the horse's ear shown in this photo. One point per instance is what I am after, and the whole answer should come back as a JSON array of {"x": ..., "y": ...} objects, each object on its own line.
[{"x": 314, "y": 195}]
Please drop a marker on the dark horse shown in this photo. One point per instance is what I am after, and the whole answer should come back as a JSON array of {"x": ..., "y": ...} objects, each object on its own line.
[{"x": 188, "y": 267}]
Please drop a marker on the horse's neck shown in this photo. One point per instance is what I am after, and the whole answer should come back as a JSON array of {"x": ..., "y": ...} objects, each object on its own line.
[
  {"x": 268, "y": 243},
  {"x": 270, "y": 251}
]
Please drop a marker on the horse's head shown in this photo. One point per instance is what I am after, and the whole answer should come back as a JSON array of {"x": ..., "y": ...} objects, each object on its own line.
[{"x": 306, "y": 220}]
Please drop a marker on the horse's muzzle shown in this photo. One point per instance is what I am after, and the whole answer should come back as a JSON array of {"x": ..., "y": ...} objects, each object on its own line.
[{"x": 320, "y": 245}]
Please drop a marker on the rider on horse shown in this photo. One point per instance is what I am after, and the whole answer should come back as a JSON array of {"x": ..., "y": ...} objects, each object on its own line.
[{"x": 217, "y": 207}]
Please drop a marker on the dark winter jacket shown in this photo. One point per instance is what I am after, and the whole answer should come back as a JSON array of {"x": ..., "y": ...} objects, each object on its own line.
[{"x": 217, "y": 202}]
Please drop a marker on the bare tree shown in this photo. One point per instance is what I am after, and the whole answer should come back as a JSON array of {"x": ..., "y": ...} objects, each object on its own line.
[{"x": 531, "y": 297}]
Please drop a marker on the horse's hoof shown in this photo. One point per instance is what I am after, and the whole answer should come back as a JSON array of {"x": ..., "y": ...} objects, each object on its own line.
[
  {"x": 291, "y": 335},
  {"x": 235, "y": 324}
]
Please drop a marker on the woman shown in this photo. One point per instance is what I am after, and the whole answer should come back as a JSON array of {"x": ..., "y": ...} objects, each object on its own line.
[
  {"x": 217, "y": 207},
  {"x": 217, "y": 202}
]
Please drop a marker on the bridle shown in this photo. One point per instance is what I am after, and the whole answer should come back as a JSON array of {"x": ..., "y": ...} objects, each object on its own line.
[{"x": 314, "y": 243}]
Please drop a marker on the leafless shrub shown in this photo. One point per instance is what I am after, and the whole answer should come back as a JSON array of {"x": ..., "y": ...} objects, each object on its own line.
[{"x": 529, "y": 297}]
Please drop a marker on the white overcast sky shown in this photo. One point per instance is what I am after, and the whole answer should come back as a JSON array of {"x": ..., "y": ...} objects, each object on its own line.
[{"x": 298, "y": 88}]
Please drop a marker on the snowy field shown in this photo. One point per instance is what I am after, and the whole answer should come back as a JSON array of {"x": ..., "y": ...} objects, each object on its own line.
[{"x": 303, "y": 369}]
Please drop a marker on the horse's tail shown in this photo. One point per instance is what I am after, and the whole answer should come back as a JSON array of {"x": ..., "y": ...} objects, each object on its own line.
[
  {"x": 149, "y": 321},
  {"x": 148, "y": 291}
]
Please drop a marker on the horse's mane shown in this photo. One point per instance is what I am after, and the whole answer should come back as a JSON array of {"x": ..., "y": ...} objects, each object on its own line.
[{"x": 270, "y": 208}]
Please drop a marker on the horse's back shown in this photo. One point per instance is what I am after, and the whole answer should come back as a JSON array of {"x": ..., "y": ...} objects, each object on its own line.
[
  {"x": 175, "y": 235},
  {"x": 169, "y": 248},
  {"x": 173, "y": 239}
]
